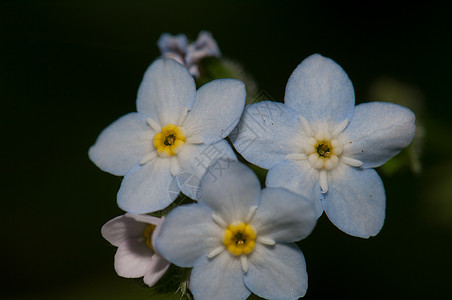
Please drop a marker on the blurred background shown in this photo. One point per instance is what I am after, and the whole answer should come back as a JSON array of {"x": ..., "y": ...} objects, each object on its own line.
[{"x": 70, "y": 68}]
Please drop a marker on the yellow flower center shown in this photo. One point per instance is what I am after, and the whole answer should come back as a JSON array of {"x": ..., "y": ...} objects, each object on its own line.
[
  {"x": 239, "y": 238},
  {"x": 148, "y": 231},
  {"x": 169, "y": 140},
  {"x": 324, "y": 149}
]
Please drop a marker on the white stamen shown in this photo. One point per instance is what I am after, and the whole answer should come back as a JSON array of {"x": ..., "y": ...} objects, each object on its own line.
[
  {"x": 217, "y": 219},
  {"x": 244, "y": 261},
  {"x": 331, "y": 162},
  {"x": 296, "y": 156},
  {"x": 216, "y": 251},
  {"x": 174, "y": 166},
  {"x": 308, "y": 148},
  {"x": 313, "y": 158},
  {"x": 148, "y": 157},
  {"x": 154, "y": 126},
  {"x": 178, "y": 149},
  {"x": 322, "y": 136},
  {"x": 182, "y": 116},
  {"x": 265, "y": 241},
  {"x": 307, "y": 128},
  {"x": 195, "y": 139},
  {"x": 250, "y": 214},
  {"x": 312, "y": 141},
  {"x": 351, "y": 161},
  {"x": 319, "y": 163},
  {"x": 339, "y": 128},
  {"x": 337, "y": 147},
  {"x": 323, "y": 181}
]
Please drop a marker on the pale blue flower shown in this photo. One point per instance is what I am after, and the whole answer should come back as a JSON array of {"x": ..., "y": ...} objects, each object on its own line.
[
  {"x": 320, "y": 145},
  {"x": 239, "y": 239},
  {"x": 177, "y": 48},
  {"x": 176, "y": 134}
]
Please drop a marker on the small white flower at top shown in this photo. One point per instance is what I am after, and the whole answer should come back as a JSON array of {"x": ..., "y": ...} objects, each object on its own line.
[
  {"x": 320, "y": 145},
  {"x": 240, "y": 239},
  {"x": 134, "y": 235},
  {"x": 177, "y": 48},
  {"x": 166, "y": 140}
]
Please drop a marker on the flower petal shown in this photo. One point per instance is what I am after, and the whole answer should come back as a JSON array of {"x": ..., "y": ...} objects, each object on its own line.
[
  {"x": 156, "y": 269},
  {"x": 217, "y": 109},
  {"x": 149, "y": 220},
  {"x": 132, "y": 258},
  {"x": 156, "y": 233},
  {"x": 145, "y": 219},
  {"x": 230, "y": 189},
  {"x": 167, "y": 88},
  {"x": 146, "y": 188},
  {"x": 204, "y": 46},
  {"x": 122, "y": 228},
  {"x": 265, "y": 134},
  {"x": 188, "y": 233},
  {"x": 277, "y": 272},
  {"x": 218, "y": 278},
  {"x": 378, "y": 131},
  {"x": 355, "y": 201},
  {"x": 298, "y": 177},
  {"x": 284, "y": 216},
  {"x": 122, "y": 144},
  {"x": 194, "y": 160},
  {"x": 173, "y": 46},
  {"x": 320, "y": 90}
]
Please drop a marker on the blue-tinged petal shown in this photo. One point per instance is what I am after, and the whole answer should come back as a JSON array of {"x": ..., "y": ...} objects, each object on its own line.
[
  {"x": 277, "y": 272},
  {"x": 284, "y": 216},
  {"x": 188, "y": 233},
  {"x": 219, "y": 278},
  {"x": 355, "y": 201},
  {"x": 167, "y": 88},
  {"x": 194, "y": 160},
  {"x": 146, "y": 188},
  {"x": 267, "y": 133},
  {"x": 320, "y": 90},
  {"x": 298, "y": 177},
  {"x": 217, "y": 109},
  {"x": 378, "y": 131},
  {"x": 230, "y": 189},
  {"x": 122, "y": 144}
]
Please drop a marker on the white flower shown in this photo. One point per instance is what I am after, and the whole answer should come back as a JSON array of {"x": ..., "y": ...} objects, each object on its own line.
[
  {"x": 134, "y": 235},
  {"x": 320, "y": 145},
  {"x": 177, "y": 132},
  {"x": 177, "y": 48},
  {"x": 239, "y": 239}
]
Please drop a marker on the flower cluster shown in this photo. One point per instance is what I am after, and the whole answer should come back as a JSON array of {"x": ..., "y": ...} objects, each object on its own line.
[{"x": 237, "y": 238}]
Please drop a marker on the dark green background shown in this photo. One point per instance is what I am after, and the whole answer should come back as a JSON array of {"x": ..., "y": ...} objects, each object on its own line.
[{"x": 70, "y": 68}]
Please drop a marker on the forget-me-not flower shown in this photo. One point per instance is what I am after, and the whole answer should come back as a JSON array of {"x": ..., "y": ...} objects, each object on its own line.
[
  {"x": 320, "y": 145},
  {"x": 239, "y": 239},
  {"x": 134, "y": 235},
  {"x": 171, "y": 135},
  {"x": 177, "y": 48}
]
